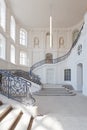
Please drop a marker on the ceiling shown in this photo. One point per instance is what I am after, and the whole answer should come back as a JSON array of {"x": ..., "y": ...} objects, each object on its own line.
[{"x": 36, "y": 13}]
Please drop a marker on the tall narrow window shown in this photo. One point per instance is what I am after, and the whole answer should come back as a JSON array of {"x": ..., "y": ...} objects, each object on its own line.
[
  {"x": 2, "y": 46},
  {"x": 67, "y": 74},
  {"x": 12, "y": 28},
  {"x": 23, "y": 37},
  {"x": 23, "y": 58},
  {"x": 12, "y": 54},
  {"x": 2, "y": 14}
]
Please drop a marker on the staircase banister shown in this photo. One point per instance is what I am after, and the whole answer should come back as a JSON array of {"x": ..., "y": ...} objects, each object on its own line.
[
  {"x": 61, "y": 58},
  {"x": 12, "y": 85}
]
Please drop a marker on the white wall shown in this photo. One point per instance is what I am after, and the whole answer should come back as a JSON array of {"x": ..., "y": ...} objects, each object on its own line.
[
  {"x": 71, "y": 63},
  {"x": 37, "y": 53}
]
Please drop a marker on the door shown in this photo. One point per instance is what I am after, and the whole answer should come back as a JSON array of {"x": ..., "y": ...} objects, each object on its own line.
[{"x": 50, "y": 76}]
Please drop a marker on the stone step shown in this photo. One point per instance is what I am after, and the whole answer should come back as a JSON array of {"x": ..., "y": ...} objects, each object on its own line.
[
  {"x": 1, "y": 102},
  {"x": 24, "y": 122},
  {"x": 4, "y": 110},
  {"x": 11, "y": 120},
  {"x": 16, "y": 120},
  {"x": 55, "y": 92},
  {"x": 30, "y": 124}
]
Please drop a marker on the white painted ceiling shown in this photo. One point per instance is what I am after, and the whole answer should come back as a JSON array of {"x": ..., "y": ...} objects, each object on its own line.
[{"x": 35, "y": 13}]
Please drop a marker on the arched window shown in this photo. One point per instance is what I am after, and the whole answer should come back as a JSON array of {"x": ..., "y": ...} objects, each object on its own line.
[
  {"x": 2, "y": 46},
  {"x": 23, "y": 37},
  {"x": 23, "y": 58},
  {"x": 2, "y": 14},
  {"x": 12, "y": 28},
  {"x": 48, "y": 44},
  {"x": 12, "y": 54}
]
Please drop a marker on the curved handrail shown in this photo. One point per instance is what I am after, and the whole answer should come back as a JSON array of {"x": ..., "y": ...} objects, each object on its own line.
[
  {"x": 59, "y": 59},
  {"x": 15, "y": 87}
]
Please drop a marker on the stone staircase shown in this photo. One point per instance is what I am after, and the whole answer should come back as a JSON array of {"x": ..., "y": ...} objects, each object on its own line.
[
  {"x": 26, "y": 75},
  {"x": 12, "y": 118},
  {"x": 56, "y": 90}
]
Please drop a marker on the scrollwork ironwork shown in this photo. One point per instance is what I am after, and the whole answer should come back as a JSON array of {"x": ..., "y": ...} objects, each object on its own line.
[{"x": 15, "y": 87}]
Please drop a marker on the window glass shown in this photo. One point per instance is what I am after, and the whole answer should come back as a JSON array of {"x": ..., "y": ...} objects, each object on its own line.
[
  {"x": 23, "y": 37},
  {"x": 12, "y": 54},
  {"x": 2, "y": 46},
  {"x": 23, "y": 58},
  {"x": 67, "y": 74},
  {"x": 12, "y": 28}
]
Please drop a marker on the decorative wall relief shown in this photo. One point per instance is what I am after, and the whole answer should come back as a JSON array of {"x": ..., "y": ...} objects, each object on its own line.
[
  {"x": 61, "y": 42},
  {"x": 49, "y": 58},
  {"x": 79, "y": 49},
  {"x": 36, "y": 42},
  {"x": 75, "y": 34}
]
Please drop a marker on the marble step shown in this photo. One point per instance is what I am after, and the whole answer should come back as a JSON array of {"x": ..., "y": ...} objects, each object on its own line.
[
  {"x": 55, "y": 92},
  {"x": 24, "y": 122},
  {"x": 4, "y": 110},
  {"x": 1, "y": 102},
  {"x": 11, "y": 120},
  {"x": 16, "y": 120}
]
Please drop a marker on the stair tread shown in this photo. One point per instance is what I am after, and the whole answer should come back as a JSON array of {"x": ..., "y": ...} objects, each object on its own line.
[
  {"x": 3, "y": 108},
  {"x": 1, "y": 102},
  {"x": 24, "y": 122},
  {"x": 9, "y": 119}
]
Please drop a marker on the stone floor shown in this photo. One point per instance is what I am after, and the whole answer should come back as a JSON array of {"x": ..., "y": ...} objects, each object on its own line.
[
  {"x": 56, "y": 112},
  {"x": 62, "y": 112}
]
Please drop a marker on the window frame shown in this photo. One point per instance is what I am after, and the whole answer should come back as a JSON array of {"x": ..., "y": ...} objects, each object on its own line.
[
  {"x": 3, "y": 14},
  {"x": 23, "y": 37},
  {"x": 12, "y": 28},
  {"x": 2, "y": 47},
  {"x": 23, "y": 58},
  {"x": 67, "y": 75},
  {"x": 12, "y": 56}
]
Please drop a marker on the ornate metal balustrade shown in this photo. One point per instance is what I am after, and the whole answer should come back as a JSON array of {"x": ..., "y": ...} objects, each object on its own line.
[
  {"x": 59, "y": 59},
  {"x": 16, "y": 88}
]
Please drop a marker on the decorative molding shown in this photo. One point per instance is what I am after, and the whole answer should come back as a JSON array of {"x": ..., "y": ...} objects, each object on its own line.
[
  {"x": 36, "y": 42},
  {"x": 79, "y": 49},
  {"x": 61, "y": 42}
]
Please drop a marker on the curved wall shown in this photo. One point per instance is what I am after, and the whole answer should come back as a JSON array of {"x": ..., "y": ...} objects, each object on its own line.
[
  {"x": 37, "y": 43},
  {"x": 76, "y": 61},
  {"x": 38, "y": 47}
]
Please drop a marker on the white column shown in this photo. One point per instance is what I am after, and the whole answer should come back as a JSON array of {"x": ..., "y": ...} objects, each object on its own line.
[{"x": 50, "y": 31}]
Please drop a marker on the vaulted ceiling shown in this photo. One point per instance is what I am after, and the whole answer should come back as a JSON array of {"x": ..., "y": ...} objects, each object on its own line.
[{"x": 35, "y": 13}]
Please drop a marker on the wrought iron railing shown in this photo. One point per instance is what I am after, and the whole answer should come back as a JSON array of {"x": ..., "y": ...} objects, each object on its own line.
[
  {"x": 59, "y": 59},
  {"x": 26, "y": 75},
  {"x": 16, "y": 87}
]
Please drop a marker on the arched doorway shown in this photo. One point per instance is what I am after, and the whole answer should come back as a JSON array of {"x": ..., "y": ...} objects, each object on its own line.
[{"x": 80, "y": 77}]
